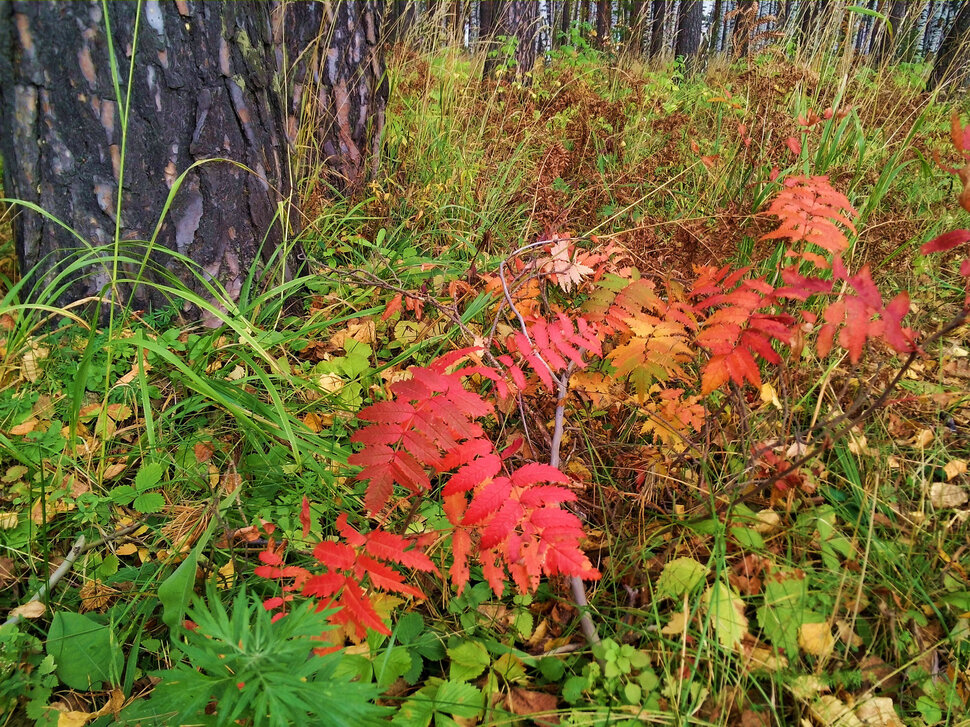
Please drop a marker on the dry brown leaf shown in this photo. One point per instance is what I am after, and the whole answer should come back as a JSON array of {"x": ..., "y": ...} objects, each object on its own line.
[
  {"x": 816, "y": 639},
  {"x": 95, "y": 596},
  {"x": 24, "y": 427},
  {"x": 67, "y": 717},
  {"x": 113, "y": 470},
  {"x": 955, "y": 468},
  {"x": 116, "y": 700},
  {"x": 31, "y": 609},
  {"x": 126, "y": 549},
  {"x": 847, "y": 634},
  {"x": 768, "y": 522},
  {"x": 833, "y": 712},
  {"x": 8, "y": 573},
  {"x": 531, "y": 702},
  {"x": 943, "y": 495},
  {"x": 923, "y": 438},
  {"x": 878, "y": 712},
  {"x": 8, "y": 520}
]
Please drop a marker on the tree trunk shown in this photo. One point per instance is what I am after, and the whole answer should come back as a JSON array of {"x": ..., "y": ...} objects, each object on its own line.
[
  {"x": 514, "y": 18},
  {"x": 951, "y": 61},
  {"x": 565, "y": 21},
  {"x": 340, "y": 88},
  {"x": 743, "y": 22},
  {"x": 716, "y": 19},
  {"x": 659, "y": 11},
  {"x": 890, "y": 33},
  {"x": 206, "y": 84},
  {"x": 689, "y": 32},
  {"x": 604, "y": 23},
  {"x": 928, "y": 31},
  {"x": 638, "y": 25},
  {"x": 403, "y": 15}
]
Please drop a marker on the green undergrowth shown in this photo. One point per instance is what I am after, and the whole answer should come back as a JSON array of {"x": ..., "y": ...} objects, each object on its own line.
[{"x": 845, "y": 588}]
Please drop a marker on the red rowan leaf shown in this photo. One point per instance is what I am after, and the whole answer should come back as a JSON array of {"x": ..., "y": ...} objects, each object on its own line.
[
  {"x": 490, "y": 498},
  {"x": 473, "y": 474},
  {"x": 305, "y": 516},
  {"x": 946, "y": 241},
  {"x": 357, "y": 611}
]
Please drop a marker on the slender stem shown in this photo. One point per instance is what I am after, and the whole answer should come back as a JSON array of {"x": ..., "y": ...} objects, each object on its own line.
[{"x": 56, "y": 576}]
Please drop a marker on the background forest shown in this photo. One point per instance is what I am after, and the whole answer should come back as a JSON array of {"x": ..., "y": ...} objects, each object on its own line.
[{"x": 455, "y": 363}]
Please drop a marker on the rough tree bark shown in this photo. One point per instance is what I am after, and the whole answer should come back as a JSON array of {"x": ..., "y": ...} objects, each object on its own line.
[
  {"x": 689, "y": 32},
  {"x": 564, "y": 22},
  {"x": 206, "y": 84},
  {"x": 604, "y": 23},
  {"x": 659, "y": 13},
  {"x": 518, "y": 18},
  {"x": 716, "y": 19},
  {"x": 950, "y": 65},
  {"x": 402, "y": 15}
]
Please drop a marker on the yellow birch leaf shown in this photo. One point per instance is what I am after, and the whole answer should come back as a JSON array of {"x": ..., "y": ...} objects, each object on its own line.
[
  {"x": 955, "y": 468},
  {"x": 816, "y": 639},
  {"x": 227, "y": 575}
]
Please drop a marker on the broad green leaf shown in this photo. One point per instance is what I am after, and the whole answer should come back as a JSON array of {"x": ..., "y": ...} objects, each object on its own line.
[
  {"x": 727, "y": 614},
  {"x": 176, "y": 590},
  {"x": 468, "y": 660},
  {"x": 785, "y": 609},
  {"x": 149, "y": 475},
  {"x": 459, "y": 699},
  {"x": 85, "y": 652},
  {"x": 680, "y": 576},
  {"x": 149, "y": 502}
]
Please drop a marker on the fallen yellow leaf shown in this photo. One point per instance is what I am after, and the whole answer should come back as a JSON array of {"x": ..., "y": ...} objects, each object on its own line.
[
  {"x": 816, "y": 639},
  {"x": 954, "y": 468}
]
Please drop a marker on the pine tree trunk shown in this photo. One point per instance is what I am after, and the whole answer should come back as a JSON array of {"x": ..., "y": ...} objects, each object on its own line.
[
  {"x": 402, "y": 17},
  {"x": 659, "y": 11},
  {"x": 951, "y": 61},
  {"x": 689, "y": 32},
  {"x": 340, "y": 85},
  {"x": 565, "y": 21},
  {"x": 604, "y": 23},
  {"x": 638, "y": 25},
  {"x": 206, "y": 84},
  {"x": 518, "y": 18}
]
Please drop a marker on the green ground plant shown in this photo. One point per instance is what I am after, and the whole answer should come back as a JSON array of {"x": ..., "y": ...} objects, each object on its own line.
[{"x": 735, "y": 586}]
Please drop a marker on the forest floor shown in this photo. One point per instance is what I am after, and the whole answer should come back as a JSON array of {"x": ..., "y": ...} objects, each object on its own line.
[{"x": 757, "y": 566}]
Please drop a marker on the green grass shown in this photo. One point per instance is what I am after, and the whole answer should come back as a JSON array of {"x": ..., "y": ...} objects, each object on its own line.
[{"x": 190, "y": 430}]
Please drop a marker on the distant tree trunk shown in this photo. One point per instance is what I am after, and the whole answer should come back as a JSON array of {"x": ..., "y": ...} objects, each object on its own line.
[
  {"x": 951, "y": 61},
  {"x": 604, "y": 23},
  {"x": 486, "y": 19},
  {"x": 716, "y": 19},
  {"x": 659, "y": 11},
  {"x": 890, "y": 32},
  {"x": 638, "y": 25},
  {"x": 207, "y": 84},
  {"x": 743, "y": 22},
  {"x": 688, "y": 42},
  {"x": 565, "y": 21},
  {"x": 928, "y": 31},
  {"x": 401, "y": 20},
  {"x": 518, "y": 18}
]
